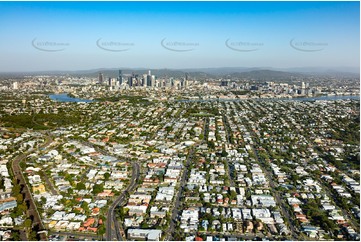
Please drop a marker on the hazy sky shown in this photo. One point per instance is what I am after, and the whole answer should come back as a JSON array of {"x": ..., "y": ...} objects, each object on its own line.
[{"x": 86, "y": 35}]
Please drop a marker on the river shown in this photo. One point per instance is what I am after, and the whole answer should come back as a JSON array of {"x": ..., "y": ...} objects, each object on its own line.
[{"x": 64, "y": 97}]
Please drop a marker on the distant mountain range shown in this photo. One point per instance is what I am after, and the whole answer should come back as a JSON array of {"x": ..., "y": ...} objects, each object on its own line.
[{"x": 256, "y": 73}]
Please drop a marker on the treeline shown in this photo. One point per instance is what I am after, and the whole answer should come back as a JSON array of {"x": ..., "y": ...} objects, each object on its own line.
[
  {"x": 240, "y": 92},
  {"x": 131, "y": 99},
  {"x": 39, "y": 121},
  {"x": 350, "y": 132}
]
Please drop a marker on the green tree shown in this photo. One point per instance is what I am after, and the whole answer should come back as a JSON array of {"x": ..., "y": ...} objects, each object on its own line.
[
  {"x": 224, "y": 153},
  {"x": 101, "y": 230},
  {"x": 85, "y": 206},
  {"x": 80, "y": 186},
  {"x": 43, "y": 200},
  {"x": 233, "y": 195},
  {"x": 15, "y": 235},
  {"x": 211, "y": 144},
  {"x": 70, "y": 191},
  {"x": 28, "y": 223},
  {"x": 19, "y": 198},
  {"x": 97, "y": 188},
  {"x": 106, "y": 176}
]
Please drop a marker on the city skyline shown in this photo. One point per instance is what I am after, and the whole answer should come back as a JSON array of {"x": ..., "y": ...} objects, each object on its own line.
[
  {"x": 44, "y": 36},
  {"x": 165, "y": 158}
]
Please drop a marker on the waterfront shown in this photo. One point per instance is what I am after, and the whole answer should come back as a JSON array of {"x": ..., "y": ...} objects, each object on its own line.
[{"x": 64, "y": 97}]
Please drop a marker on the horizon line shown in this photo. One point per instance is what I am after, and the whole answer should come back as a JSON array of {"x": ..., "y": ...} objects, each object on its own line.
[{"x": 321, "y": 68}]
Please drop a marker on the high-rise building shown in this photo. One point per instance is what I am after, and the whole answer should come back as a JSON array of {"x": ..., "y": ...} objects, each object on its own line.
[
  {"x": 101, "y": 78},
  {"x": 153, "y": 82},
  {"x": 149, "y": 80},
  {"x": 15, "y": 85},
  {"x": 224, "y": 83},
  {"x": 120, "y": 78},
  {"x": 303, "y": 85},
  {"x": 144, "y": 80},
  {"x": 134, "y": 80}
]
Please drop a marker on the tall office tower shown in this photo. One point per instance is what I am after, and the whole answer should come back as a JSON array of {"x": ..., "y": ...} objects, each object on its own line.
[
  {"x": 136, "y": 80},
  {"x": 303, "y": 89},
  {"x": 153, "y": 81},
  {"x": 303, "y": 86},
  {"x": 15, "y": 85},
  {"x": 224, "y": 83},
  {"x": 186, "y": 76},
  {"x": 120, "y": 78},
  {"x": 130, "y": 81},
  {"x": 177, "y": 84},
  {"x": 101, "y": 78},
  {"x": 144, "y": 80},
  {"x": 149, "y": 81},
  {"x": 110, "y": 82}
]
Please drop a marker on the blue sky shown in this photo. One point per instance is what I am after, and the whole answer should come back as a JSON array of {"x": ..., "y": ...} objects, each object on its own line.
[{"x": 260, "y": 34}]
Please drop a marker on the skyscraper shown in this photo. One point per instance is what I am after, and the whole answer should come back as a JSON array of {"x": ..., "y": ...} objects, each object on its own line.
[
  {"x": 149, "y": 80},
  {"x": 303, "y": 85},
  {"x": 120, "y": 77},
  {"x": 153, "y": 81},
  {"x": 130, "y": 81},
  {"x": 15, "y": 85},
  {"x": 101, "y": 78}
]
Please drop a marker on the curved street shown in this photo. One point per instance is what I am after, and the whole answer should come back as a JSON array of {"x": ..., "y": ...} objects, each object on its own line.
[
  {"x": 32, "y": 210},
  {"x": 112, "y": 225}
]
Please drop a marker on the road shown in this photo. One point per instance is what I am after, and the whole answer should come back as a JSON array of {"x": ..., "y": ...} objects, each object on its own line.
[
  {"x": 175, "y": 211},
  {"x": 78, "y": 235},
  {"x": 32, "y": 210},
  {"x": 345, "y": 213},
  {"x": 206, "y": 129},
  {"x": 112, "y": 225},
  {"x": 228, "y": 162},
  {"x": 233, "y": 234},
  {"x": 227, "y": 128},
  {"x": 280, "y": 202},
  {"x": 49, "y": 184}
]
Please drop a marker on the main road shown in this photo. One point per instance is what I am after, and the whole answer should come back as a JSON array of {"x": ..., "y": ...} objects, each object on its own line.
[
  {"x": 179, "y": 194},
  {"x": 112, "y": 225},
  {"x": 285, "y": 212},
  {"x": 279, "y": 201},
  {"x": 32, "y": 210}
]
